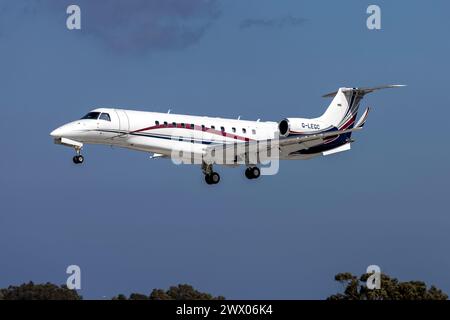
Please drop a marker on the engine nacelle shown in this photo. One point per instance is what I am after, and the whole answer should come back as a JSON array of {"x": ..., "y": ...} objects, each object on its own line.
[{"x": 297, "y": 126}]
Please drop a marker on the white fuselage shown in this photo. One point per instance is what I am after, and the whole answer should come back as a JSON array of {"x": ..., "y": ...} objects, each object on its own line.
[{"x": 164, "y": 133}]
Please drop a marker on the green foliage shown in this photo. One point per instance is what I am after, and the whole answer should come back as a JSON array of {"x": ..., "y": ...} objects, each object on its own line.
[
  {"x": 138, "y": 296},
  {"x": 120, "y": 297},
  {"x": 180, "y": 292},
  {"x": 48, "y": 291},
  {"x": 159, "y": 294},
  {"x": 31, "y": 291},
  {"x": 187, "y": 292},
  {"x": 354, "y": 289},
  {"x": 391, "y": 289}
]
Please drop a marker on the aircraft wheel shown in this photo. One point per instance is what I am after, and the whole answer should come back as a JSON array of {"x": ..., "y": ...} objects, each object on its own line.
[
  {"x": 212, "y": 178},
  {"x": 248, "y": 173},
  {"x": 215, "y": 178},
  {"x": 255, "y": 172},
  {"x": 78, "y": 159},
  {"x": 252, "y": 173}
]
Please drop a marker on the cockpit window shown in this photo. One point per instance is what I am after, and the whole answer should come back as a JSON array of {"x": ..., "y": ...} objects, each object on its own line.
[
  {"x": 105, "y": 116},
  {"x": 91, "y": 116}
]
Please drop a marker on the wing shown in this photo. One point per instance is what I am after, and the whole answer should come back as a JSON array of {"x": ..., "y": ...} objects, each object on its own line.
[{"x": 261, "y": 150}]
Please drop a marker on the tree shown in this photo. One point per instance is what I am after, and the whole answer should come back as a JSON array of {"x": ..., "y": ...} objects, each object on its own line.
[
  {"x": 159, "y": 294},
  {"x": 180, "y": 292},
  {"x": 391, "y": 289},
  {"x": 31, "y": 291},
  {"x": 138, "y": 296},
  {"x": 187, "y": 292},
  {"x": 120, "y": 297}
]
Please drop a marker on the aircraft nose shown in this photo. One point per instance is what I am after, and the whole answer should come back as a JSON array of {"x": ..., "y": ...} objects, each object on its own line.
[
  {"x": 69, "y": 130},
  {"x": 57, "y": 132}
]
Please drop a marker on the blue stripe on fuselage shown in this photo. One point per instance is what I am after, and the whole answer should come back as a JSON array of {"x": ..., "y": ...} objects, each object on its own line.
[{"x": 341, "y": 140}]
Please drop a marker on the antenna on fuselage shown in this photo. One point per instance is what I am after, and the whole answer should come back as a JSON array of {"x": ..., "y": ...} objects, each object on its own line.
[
  {"x": 168, "y": 111},
  {"x": 258, "y": 120},
  {"x": 239, "y": 117}
]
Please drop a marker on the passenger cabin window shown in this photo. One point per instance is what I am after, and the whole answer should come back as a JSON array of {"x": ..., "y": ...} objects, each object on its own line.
[
  {"x": 233, "y": 129},
  {"x": 213, "y": 127},
  {"x": 105, "y": 116},
  {"x": 192, "y": 126},
  {"x": 222, "y": 129},
  {"x": 244, "y": 130},
  {"x": 174, "y": 124},
  {"x": 253, "y": 131},
  {"x": 203, "y": 127},
  {"x": 183, "y": 125},
  {"x": 91, "y": 116},
  {"x": 157, "y": 123},
  {"x": 165, "y": 123}
]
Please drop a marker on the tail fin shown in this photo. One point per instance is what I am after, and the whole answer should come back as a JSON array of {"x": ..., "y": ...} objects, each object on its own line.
[{"x": 343, "y": 109}]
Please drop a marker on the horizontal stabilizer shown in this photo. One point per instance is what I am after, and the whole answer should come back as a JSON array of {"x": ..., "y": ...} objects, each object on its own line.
[{"x": 364, "y": 91}]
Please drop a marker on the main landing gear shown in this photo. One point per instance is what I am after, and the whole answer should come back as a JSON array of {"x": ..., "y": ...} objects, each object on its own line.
[
  {"x": 78, "y": 159},
  {"x": 252, "y": 173},
  {"x": 211, "y": 177}
]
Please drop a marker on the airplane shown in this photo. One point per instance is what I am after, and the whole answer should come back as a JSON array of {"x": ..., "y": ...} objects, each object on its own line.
[{"x": 210, "y": 141}]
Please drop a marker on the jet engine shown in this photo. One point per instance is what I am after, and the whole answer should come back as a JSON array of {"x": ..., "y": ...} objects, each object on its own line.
[{"x": 297, "y": 125}]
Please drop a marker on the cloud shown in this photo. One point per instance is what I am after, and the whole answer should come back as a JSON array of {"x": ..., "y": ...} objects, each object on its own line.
[
  {"x": 287, "y": 21},
  {"x": 138, "y": 25},
  {"x": 149, "y": 24}
]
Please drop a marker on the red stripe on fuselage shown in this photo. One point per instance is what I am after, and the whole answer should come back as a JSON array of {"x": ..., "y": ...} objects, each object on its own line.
[{"x": 196, "y": 128}]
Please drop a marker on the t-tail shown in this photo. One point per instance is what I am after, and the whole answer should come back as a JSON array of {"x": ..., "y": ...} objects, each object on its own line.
[
  {"x": 341, "y": 117},
  {"x": 342, "y": 112}
]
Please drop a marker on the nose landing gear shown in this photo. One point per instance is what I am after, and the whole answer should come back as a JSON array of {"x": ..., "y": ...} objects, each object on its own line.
[
  {"x": 212, "y": 178},
  {"x": 78, "y": 158}
]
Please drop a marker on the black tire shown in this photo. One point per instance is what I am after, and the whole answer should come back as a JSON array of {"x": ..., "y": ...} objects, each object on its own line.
[
  {"x": 248, "y": 173},
  {"x": 255, "y": 172},
  {"x": 208, "y": 179},
  {"x": 215, "y": 178},
  {"x": 78, "y": 159}
]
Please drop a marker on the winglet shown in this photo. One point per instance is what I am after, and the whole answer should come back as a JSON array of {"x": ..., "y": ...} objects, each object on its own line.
[{"x": 363, "y": 119}]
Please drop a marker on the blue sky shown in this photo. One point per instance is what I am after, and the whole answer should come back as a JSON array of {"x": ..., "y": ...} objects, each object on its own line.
[{"x": 133, "y": 224}]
